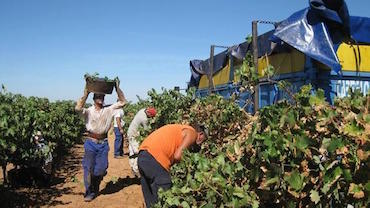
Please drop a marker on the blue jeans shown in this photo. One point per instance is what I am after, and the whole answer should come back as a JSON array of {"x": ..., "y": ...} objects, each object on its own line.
[
  {"x": 95, "y": 164},
  {"x": 118, "y": 142},
  {"x": 153, "y": 177}
]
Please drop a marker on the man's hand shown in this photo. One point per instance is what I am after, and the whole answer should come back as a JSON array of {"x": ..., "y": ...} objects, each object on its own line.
[
  {"x": 121, "y": 97},
  {"x": 117, "y": 83}
]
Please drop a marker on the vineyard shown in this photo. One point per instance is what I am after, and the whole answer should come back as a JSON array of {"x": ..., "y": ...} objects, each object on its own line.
[
  {"x": 281, "y": 117},
  {"x": 22, "y": 118},
  {"x": 302, "y": 154}
]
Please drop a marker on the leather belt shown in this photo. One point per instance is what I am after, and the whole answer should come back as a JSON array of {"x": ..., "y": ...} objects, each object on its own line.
[
  {"x": 97, "y": 141},
  {"x": 96, "y": 136}
]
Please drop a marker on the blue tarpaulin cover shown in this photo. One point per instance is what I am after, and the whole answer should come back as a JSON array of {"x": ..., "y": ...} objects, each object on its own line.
[{"x": 316, "y": 31}]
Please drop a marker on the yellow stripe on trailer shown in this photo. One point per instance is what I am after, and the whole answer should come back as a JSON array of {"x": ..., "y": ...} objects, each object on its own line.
[
  {"x": 348, "y": 55},
  {"x": 220, "y": 78},
  {"x": 294, "y": 61},
  {"x": 282, "y": 62}
]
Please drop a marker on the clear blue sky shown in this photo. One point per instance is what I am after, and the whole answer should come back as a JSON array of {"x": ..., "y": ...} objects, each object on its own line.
[{"x": 46, "y": 46}]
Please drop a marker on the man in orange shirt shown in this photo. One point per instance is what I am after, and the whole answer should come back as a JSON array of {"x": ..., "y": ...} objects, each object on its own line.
[{"x": 159, "y": 151}]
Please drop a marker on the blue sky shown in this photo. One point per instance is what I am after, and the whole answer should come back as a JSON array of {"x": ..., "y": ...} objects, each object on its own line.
[{"x": 46, "y": 46}]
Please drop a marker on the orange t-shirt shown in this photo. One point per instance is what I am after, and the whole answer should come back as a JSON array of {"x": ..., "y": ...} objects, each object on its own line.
[{"x": 163, "y": 143}]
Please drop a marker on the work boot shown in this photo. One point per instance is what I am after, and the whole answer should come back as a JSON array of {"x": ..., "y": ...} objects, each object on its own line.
[
  {"x": 93, "y": 189},
  {"x": 96, "y": 183},
  {"x": 89, "y": 195}
]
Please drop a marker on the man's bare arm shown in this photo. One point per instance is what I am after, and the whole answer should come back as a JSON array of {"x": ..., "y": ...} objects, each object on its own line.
[
  {"x": 81, "y": 102},
  {"x": 188, "y": 139},
  {"x": 121, "y": 96},
  {"x": 118, "y": 120}
]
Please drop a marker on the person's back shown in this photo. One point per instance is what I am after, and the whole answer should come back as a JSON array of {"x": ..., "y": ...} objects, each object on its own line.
[
  {"x": 139, "y": 119},
  {"x": 162, "y": 143},
  {"x": 159, "y": 151}
]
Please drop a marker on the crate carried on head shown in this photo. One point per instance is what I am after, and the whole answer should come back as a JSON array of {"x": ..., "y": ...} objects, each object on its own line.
[{"x": 99, "y": 85}]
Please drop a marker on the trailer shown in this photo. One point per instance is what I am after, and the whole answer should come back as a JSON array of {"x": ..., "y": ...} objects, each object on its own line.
[{"x": 320, "y": 45}]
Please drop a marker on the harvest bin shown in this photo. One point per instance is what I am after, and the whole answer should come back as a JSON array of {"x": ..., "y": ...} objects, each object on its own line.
[{"x": 99, "y": 85}]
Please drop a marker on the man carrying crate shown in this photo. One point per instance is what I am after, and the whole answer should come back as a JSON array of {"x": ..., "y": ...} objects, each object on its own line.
[{"x": 98, "y": 119}]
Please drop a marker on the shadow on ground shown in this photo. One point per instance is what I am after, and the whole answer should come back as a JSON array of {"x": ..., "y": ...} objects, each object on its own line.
[
  {"x": 113, "y": 187},
  {"x": 31, "y": 196},
  {"x": 28, "y": 197}
]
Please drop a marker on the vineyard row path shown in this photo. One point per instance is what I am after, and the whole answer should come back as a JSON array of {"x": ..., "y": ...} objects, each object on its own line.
[{"x": 119, "y": 187}]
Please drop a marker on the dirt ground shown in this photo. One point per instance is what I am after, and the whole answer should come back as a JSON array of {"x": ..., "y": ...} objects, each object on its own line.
[{"x": 119, "y": 187}]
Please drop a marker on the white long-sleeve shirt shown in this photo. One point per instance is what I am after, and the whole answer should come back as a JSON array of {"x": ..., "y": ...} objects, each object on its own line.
[
  {"x": 139, "y": 119},
  {"x": 99, "y": 121}
]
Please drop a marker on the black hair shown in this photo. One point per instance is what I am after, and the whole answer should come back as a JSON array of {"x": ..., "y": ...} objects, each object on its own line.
[
  {"x": 97, "y": 95},
  {"x": 200, "y": 128}
]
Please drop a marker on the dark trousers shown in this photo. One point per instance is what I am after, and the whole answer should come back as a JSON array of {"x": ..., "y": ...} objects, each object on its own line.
[
  {"x": 153, "y": 177},
  {"x": 95, "y": 164},
  {"x": 118, "y": 142}
]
